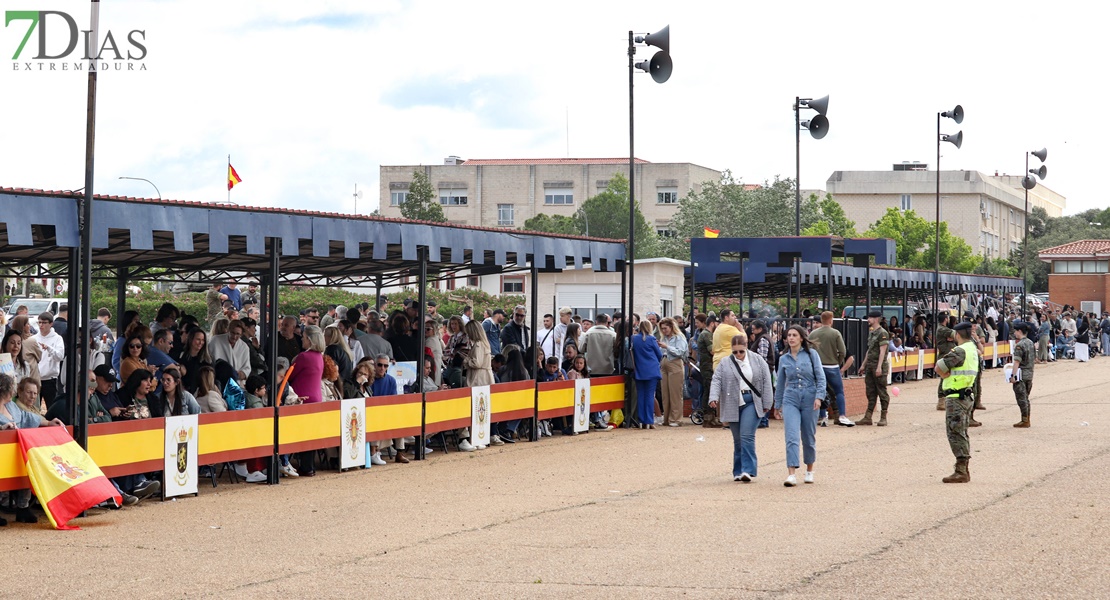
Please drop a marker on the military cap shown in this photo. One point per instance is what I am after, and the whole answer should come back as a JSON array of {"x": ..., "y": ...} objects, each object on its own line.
[
  {"x": 1023, "y": 327},
  {"x": 964, "y": 326},
  {"x": 875, "y": 314}
]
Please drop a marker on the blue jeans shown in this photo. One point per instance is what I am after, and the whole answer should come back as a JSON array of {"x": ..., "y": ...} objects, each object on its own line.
[
  {"x": 645, "y": 400},
  {"x": 832, "y": 376},
  {"x": 743, "y": 439},
  {"x": 798, "y": 415},
  {"x": 1105, "y": 344}
]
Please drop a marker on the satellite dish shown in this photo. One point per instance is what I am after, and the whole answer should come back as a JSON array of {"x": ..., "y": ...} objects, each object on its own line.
[{"x": 358, "y": 194}]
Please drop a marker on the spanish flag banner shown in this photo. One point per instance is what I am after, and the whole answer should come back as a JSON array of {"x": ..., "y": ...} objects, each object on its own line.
[
  {"x": 64, "y": 478},
  {"x": 233, "y": 178},
  {"x": 712, "y": 233}
]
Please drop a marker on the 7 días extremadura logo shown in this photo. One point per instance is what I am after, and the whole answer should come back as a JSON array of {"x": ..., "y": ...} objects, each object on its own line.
[{"x": 57, "y": 49}]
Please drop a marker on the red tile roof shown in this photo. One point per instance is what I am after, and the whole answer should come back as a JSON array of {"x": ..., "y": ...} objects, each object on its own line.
[
  {"x": 288, "y": 211},
  {"x": 1080, "y": 248},
  {"x": 551, "y": 161}
]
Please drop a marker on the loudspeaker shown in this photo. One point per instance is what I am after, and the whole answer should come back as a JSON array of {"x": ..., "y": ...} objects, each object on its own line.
[
  {"x": 956, "y": 114},
  {"x": 660, "y": 39},
  {"x": 821, "y": 105},
  {"x": 956, "y": 140},
  {"x": 1028, "y": 182},
  {"x": 1042, "y": 154},
  {"x": 1041, "y": 172},
  {"x": 660, "y": 66},
  {"x": 818, "y": 126}
]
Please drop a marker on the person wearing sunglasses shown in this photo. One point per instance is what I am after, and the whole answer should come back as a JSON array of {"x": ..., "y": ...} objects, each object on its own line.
[
  {"x": 135, "y": 353},
  {"x": 741, "y": 392}
]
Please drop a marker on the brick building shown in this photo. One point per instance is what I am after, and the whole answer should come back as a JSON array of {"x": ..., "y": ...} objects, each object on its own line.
[
  {"x": 988, "y": 212},
  {"x": 506, "y": 192},
  {"x": 1080, "y": 272}
]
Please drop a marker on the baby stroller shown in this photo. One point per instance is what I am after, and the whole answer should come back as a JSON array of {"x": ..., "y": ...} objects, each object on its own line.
[{"x": 693, "y": 391}]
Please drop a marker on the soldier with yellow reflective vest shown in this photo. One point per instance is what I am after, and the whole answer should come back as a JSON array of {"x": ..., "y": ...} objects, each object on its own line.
[{"x": 959, "y": 369}]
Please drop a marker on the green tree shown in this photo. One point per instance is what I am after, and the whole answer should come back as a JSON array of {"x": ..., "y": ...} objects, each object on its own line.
[
  {"x": 832, "y": 220},
  {"x": 1047, "y": 232},
  {"x": 603, "y": 216},
  {"x": 421, "y": 203},
  {"x": 915, "y": 242},
  {"x": 738, "y": 210},
  {"x": 559, "y": 224}
]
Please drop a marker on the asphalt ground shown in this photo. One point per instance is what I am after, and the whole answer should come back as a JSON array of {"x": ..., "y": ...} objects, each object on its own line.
[{"x": 640, "y": 514}]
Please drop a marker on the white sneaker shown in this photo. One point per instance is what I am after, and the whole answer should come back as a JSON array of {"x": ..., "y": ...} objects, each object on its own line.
[
  {"x": 256, "y": 477},
  {"x": 791, "y": 481},
  {"x": 410, "y": 440},
  {"x": 495, "y": 440},
  {"x": 672, "y": 424},
  {"x": 744, "y": 477},
  {"x": 241, "y": 470},
  {"x": 466, "y": 446},
  {"x": 845, "y": 421},
  {"x": 737, "y": 478},
  {"x": 428, "y": 450},
  {"x": 809, "y": 477},
  {"x": 289, "y": 471},
  {"x": 823, "y": 423},
  {"x": 376, "y": 459}
]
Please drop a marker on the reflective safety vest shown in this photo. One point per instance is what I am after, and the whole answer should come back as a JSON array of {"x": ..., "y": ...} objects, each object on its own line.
[{"x": 963, "y": 376}]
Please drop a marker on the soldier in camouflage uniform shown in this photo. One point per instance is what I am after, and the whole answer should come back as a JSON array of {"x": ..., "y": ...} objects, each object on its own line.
[
  {"x": 1024, "y": 356},
  {"x": 979, "y": 337},
  {"x": 705, "y": 366},
  {"x": 875, "y": 368},
  {"x": 959, "y": 369},
  {"x": 946, "y": 341}
]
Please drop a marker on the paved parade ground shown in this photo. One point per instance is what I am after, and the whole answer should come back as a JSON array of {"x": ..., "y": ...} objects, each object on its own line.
[{"x": 640, "y": 514}]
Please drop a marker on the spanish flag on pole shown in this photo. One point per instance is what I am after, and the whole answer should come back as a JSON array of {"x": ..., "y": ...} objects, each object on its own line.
[
  {"x": 64, "y": 478},
  {"x": 712, "y": 233},
  {"x": 233, "y": 178}
]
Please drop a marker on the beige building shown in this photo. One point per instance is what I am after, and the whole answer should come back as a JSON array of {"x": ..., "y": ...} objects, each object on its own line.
[
  {"x": 988, "y": 212},
  {"x": 507, "y": 192}
]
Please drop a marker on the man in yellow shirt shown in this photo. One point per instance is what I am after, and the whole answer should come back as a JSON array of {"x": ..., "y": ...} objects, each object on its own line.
[{"x": 722, "y": 337}]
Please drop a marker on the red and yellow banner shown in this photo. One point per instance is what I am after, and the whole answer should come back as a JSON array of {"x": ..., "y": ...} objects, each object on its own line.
[
  {"x": 64, "y": 478},
  {"x": 709, "y": 233},
  {"x": 233, "y": 178}
]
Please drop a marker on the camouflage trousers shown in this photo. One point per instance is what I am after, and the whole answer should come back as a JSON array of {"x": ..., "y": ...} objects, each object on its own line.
[
  {"x": 1021, "y": 392},
  {"x": 957, "y": 413},
  {"x": 875, "y": 386}
]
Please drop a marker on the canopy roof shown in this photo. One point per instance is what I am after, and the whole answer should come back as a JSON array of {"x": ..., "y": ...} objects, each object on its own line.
[{"x": 157, "y": 238}]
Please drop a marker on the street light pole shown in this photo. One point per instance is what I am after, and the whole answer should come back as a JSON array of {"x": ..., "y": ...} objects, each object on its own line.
[
  {"x": 148, "y": 181},
  {"x": 1029, "y": 181},
  {"x": 957, "y": 115},
  {"x": 818, "y": 127}
]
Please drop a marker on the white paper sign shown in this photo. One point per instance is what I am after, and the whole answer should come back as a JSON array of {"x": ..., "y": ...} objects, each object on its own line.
[
  {"x": 352, "y": 433},
  {"x": 1010, "y": 370},
  {"x": 581, "y": 405},
  {"x": 6, "y": 364},
  {"x": 480, "y": 415},
  {"x": 180, "y": 471},
  {"x": 405, "y": 374}
]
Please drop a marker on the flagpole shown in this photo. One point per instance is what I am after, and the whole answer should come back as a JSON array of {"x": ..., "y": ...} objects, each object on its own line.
[{"x": 229, "y": 178}]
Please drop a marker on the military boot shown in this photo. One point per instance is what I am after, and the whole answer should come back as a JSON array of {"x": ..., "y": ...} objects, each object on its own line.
[
  {"x": 1024, "y": 423},
  {"x": 940, "y": 404},
  {"x": 882, "y": 420},
  {"x": 979, "y": 405},
  {"x": 971, "y": 422},
  {"x": 961, "y": 474},
  {"x": 866, "y": 420}
]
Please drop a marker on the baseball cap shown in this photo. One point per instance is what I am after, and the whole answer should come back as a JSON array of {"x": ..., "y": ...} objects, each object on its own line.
[{"x": 107, "y": 372}]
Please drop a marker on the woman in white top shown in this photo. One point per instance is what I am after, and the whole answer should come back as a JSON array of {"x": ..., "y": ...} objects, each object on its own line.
[{"x": 741, "y": 405}]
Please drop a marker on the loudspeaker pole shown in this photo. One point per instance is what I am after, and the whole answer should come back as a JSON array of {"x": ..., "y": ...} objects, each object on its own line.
[
  {"x": 631, "y": 258},
  {"x": 957, "y": 115},
  {"x": 1029, "y": 181}
]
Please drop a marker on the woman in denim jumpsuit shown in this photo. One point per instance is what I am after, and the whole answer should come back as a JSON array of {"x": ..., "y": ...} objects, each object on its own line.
[{"x": 799, "y": 390}]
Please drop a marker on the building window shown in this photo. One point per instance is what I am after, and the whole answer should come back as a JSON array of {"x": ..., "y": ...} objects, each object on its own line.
[
  {"x": 558, "y": 196},
  {"x": 453, "y": 197},
  {"x": 451, "y": 278},
  {"x": 398, "y": 198},
  {"x": 504, "y": 215},
  {"x": 664, "y": 232},
  {"x": 907, "y": 202},
  {"x": 1080, "y": 266},
  {"x": 512, "y": 285},
  {"x": 474, "y": 282},
  {"x": 667, "y": 195}
]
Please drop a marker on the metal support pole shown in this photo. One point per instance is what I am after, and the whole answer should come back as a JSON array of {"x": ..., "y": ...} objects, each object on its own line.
[
  {"x": 534, "y": 295},
  {"x": 631, "y": 258},
  {"x": 705, "y": 302},
  {"x": 936, "y": 266},
  {"x": 740, "y": 290},
  {"x": 85, "y": 221},
  {"x": 78, "y": 318},
  {"x": 1025, "y": 246},
  {"x": 121, "y": 301},
  {"x": 422, "y": 298},
  {"x": 868, "y": 275},
  {"x": 270, "y": 303},
  {"x": 693, "y": 299}
]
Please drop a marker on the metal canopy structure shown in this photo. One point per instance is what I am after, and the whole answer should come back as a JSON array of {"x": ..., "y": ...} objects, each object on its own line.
[
  {"x": 182, "y": 238},
  {"x": 830, "y": 267}
]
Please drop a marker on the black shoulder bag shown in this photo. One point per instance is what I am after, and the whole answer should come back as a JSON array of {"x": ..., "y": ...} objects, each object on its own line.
[{"x": 740, "y": 372}]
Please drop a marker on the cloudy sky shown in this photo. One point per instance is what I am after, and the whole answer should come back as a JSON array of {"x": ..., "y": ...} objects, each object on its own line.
[{"x": 310, "y": 98}]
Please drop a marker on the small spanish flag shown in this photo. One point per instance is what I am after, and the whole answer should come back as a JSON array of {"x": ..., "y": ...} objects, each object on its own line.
[
  {"x": 233, "y": 178},
  {"x": 712, "y": 233},
  {"x": 64, "y": 478}
]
